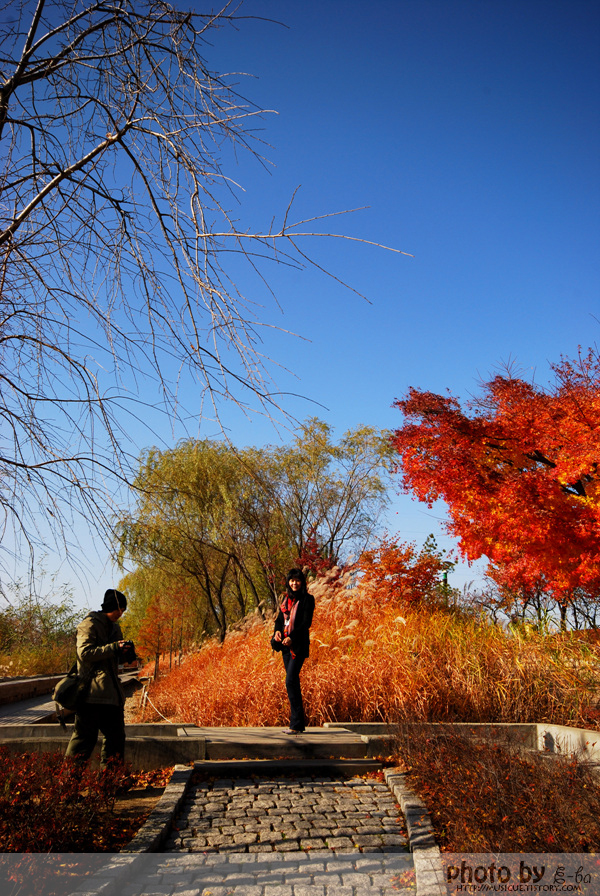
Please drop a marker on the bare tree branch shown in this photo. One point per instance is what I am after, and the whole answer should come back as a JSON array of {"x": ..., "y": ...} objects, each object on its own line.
[{"x": 117, "y": 153}]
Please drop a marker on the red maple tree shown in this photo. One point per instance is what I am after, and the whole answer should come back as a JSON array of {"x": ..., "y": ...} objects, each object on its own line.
[{"x": 518, "y": 470}]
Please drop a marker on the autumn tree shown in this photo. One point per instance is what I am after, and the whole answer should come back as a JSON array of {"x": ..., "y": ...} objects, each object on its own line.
[
  {"x": 116, "y": 180},
  {"x": 518, "y": 470},
  {"x": 163, "y": 617},
  {"x": 228, "y": 523},
  {"x": 331, "y": 492},
  {"x": 181, "y": 524}
]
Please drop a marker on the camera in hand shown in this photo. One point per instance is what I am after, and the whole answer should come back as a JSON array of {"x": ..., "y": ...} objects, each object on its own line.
[{"x": 127, "y": 653}]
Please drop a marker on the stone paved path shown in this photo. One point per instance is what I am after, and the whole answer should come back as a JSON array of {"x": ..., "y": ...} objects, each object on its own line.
[
  {"x": 308, "y": 836},
  {"x": 285, "y": 815},
  {"x": 272, "y": 874}
]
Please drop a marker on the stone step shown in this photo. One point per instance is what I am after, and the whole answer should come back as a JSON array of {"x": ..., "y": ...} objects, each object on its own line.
[{"x": 245, "y": 768}]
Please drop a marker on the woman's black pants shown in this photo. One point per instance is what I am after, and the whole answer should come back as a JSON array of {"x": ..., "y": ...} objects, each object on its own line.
[{"x": 293, "y": 664}]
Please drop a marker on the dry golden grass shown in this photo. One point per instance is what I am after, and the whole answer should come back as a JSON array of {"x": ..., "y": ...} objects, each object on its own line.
[
  {"x": 373, "y": 661},
  {"x": 36, "y": 660}
]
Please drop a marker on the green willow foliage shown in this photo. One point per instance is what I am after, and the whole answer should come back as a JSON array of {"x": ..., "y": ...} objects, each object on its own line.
[{"x": 215, "y": 528}]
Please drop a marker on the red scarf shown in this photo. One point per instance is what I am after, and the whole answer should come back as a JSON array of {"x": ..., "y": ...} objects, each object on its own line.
[{"x": 289, "y": 608}]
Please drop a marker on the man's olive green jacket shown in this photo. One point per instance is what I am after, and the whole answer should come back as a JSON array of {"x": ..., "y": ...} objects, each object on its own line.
[{"x": 97, "y": 658}]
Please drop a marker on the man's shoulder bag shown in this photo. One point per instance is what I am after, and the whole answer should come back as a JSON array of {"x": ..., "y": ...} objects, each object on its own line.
[{"x": 72, "y": 690}]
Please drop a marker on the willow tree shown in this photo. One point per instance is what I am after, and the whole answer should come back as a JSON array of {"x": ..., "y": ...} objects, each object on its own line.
[
  {"x": 118, "y": 145},
  {"x": 227, "y": 524}
]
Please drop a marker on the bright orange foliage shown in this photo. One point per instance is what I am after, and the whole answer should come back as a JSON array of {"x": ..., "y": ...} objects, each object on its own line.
[
  {"x": 519, "y": 474},
  {"x": 167, "y": 625},
  {"x": 394, "y": 570}
]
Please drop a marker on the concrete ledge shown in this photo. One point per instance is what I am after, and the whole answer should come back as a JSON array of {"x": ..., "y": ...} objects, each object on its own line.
[
  {"x": 271, "y": 743},
  {"x": 15, "y": 689},
  {"x": 582, "y": 742},
  {"x": 154, "y": 745},
  {"x": 378, "y": 745},
  {"x": 151, "y": 746},
  {"x": 157, "y": 752},
  {"x": 244, "y": 768},
  {"x": 54, "y": 729},
  {"x": 522, "y": 734},
  {"x": 375, "y": 729},
  {"x": 142, "y": 753},
  {"x": 426, "y": 854},
  {"x": 542, "y": 736}
]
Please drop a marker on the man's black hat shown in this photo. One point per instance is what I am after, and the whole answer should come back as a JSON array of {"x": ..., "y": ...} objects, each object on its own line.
[{"x": 114, "y": 600}]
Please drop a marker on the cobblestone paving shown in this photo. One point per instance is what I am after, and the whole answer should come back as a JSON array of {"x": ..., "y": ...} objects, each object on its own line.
[
  {"x": 273, "y": 874},
  {"x": 286, "y": 815}
]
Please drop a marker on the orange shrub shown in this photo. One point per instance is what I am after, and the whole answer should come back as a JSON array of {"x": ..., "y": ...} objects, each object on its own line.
[
  {"x": 397, "y": 570},
  {"x": 491, "y": 797}
]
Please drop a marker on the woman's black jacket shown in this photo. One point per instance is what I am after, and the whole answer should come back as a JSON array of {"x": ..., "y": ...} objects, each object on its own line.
[{"x": 300, "y": 635}]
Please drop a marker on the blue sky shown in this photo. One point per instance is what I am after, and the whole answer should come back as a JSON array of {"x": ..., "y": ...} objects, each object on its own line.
[{"x": 470, "y": 131}]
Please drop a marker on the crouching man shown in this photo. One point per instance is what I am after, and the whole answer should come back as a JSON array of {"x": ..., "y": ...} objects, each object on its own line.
[{"x": 99, "y": 641}]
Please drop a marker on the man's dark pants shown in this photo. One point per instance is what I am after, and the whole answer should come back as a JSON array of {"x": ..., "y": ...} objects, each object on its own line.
[{"x": 89, "y": 720}]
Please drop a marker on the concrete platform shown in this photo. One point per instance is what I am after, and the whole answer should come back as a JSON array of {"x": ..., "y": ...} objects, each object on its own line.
[
  {"x": 272, "y": 743},
  {"x": 154, "y": 745}
]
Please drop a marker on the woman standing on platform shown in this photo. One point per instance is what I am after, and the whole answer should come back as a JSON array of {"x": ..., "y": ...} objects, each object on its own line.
[{"x": 292, "y": 638}]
